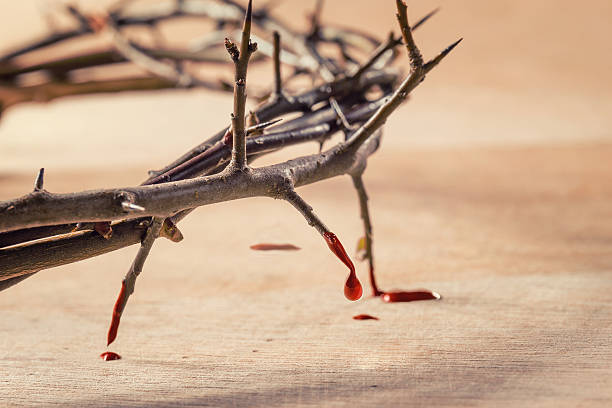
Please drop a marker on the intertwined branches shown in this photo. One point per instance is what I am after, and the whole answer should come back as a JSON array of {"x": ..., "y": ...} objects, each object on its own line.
[
  {"x": 164, "y": 67},
  {"x": 42, "y": 229}
]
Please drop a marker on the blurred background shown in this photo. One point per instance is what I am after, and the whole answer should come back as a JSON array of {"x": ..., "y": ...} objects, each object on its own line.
[
  {"x": 527, "y": 73},
  {"x": 492, "y": 186}
]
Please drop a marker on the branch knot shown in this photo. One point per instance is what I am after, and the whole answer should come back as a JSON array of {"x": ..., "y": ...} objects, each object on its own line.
[
  {"x": 232, "y": 49},
  {"x": 252, "y": 47}
]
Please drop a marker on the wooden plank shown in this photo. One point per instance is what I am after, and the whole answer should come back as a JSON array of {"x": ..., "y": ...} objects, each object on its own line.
[
  {"x": 517, "y": 239},
  {"x": 521, "y": 257}
]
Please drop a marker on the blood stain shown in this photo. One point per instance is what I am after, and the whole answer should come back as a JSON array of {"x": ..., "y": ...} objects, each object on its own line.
[
  {"x": 365, "y": 317},
  {"x": 409, "y": 296},
  {"x": 274, "y": 247},
  {"x": 109, "y": 356}
]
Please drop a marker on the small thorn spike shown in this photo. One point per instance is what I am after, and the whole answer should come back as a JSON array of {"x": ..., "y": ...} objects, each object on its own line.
[
  {"x": 40, "y": 180},
  {"x": 431, "y": 64},
  {"x": 129, "y": 207},
  {"x": 425, "y": 18}
]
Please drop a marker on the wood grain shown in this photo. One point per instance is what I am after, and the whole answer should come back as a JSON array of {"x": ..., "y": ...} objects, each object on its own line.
[{"x": 521, "y": 256}]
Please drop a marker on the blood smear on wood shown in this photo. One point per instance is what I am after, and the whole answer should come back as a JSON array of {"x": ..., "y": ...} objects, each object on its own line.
[
  {"x": 365, "y": 317},
  {"x": 109, "y": 356},
  {"x": 412, "y": 296},
  {"x": 274, "y": 247}
]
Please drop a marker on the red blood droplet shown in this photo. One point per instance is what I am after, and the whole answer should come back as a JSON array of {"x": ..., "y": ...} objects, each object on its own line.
[
  {"x": 412, "y": 296},
  {"x": 274, "y": 247},
  {"x": 352, "y": 287},
  {"x": 117, "y": 311},
  {"x": 109, "y": 355},
  {"x": 365, "y": 317}
]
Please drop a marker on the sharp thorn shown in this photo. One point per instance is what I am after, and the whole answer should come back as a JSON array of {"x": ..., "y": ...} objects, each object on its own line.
[
  {"x": 450, "y": 47},
  {"x": 339, "y": 114},
  {"x": 127, "y": 206},
  {"x": 249, "y": 14},
  {"x": 431, "y": 64},
  {"x": 40, "y": 179},
  {"x": 262, "y": 126},
  {"x": 425, "y": 18}
]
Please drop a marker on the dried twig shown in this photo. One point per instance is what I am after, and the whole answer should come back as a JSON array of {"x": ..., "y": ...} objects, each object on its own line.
[
  {"x": 241, "y": 62},
  {"x": 141, "y": 59},
  {"x": 367, "y": 226},
  {"x": 297, "y": 51},
  {"x": 278, "y": 85}
]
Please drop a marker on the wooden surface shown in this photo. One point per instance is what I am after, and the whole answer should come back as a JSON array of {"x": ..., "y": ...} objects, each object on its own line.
[{"x": 493, "y": 187}]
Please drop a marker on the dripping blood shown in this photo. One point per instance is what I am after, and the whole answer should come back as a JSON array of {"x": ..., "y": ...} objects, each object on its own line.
[
  {"x": 352, "y": 287},
  {"x": 117, "y": 311}
]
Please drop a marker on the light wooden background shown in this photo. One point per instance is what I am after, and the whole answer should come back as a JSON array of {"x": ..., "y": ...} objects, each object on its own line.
[{"x": 493, "y": 187}]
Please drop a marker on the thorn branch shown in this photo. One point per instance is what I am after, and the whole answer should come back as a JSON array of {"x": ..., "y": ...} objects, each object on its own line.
[
  {"x": 241, "y": 62},
  {"x": 389, "y": 45},
  {"x": 23, "y": 220},
  {"x": 416, "y": 76},
  {"x": 293, "y": 198}
]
